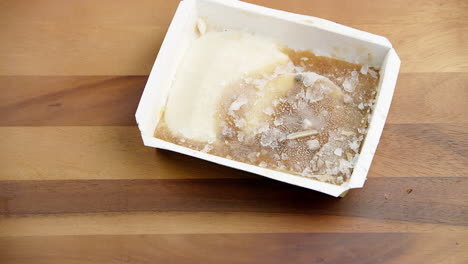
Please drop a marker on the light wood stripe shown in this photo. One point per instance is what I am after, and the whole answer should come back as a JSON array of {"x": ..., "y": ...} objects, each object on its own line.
[
  {"x": 46, "y": 153},
  {"x": 350, "y": 248},
  {"x": 374, "y": 12},
  {"x": 65, "y": 153},
  {"x": 93, "y": 42},
  {"x": 83, "y": 38},
  {"x": 416, "y": 47},
  {"x": 78, "y": 54},
  {"x": 430, "y": 98},
  {"x": 152, "y": 12},
  {"x": 204, "y": 223},
  {"x": 432, "y": 200}
]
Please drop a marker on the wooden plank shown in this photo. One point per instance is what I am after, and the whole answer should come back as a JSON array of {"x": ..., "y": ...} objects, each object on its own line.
[
  {"x": 432, "y": 200},
  {"x": 151, "y": 12},
  {"x": 112, "y": 100},
  {"x": 94, "y": 153},
  {"x": 420, "y": 50},
  {"x": 79, "y": 49},
  {"x": 70, "y": 100},
  {"x": 89, "y": 12},
  {"x": 48, "y": 153},
  {"x": 398, "y": 12},
  {"x": 430, "y": 98},
  {"x": 422, "y": 150},
  {"x": 238, "y": 248},
  {"x": 204, "y": 223},
  {"x": 82, "y": 38}
]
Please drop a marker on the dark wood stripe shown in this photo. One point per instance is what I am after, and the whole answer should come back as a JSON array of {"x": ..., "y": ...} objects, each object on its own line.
[
  {"x": 117, "y": 153},
  {"x": 431, "y": 200},
  {"x": 70, "y": 100},
  {"x": 350, "y": 248},
  {"x": 422, "y": 150},
  {"x": 112, "y": 100}
]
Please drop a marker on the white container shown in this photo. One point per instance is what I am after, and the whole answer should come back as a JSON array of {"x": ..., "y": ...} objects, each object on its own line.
[{"x": 296, "y": 31}]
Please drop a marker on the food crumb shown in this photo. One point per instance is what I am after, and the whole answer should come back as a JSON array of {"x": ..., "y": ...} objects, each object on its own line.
[
  {"x": 338, "y": 152},
  {"x": 201, "y": 26},
  {"x": 313, "y": 144},
  {"x": 207, "y": 148},
  {"x": 364, "y": 69}
]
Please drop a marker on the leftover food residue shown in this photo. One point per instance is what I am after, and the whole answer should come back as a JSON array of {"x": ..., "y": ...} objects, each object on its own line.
[{"x": 247, "y": 98}]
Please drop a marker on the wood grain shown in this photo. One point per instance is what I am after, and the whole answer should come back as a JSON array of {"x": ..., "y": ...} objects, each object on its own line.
[
  {"x": 432, "y": 200},
  {"x": 87, "y": 41},
  {"x": 94, "y": 153},
  {"x": 84, "y": 38},
  {"x": 78, "y": 186},
  {"x": 400, "y": 12},
  {"x": 64, "y": 100},
  {"x": 112, "y": 100},
  {"x": 137, "y": 223},
  {"x": 238, "y": 248},
  {"x": 430, "y": 98},
  {"x": 48, "y": 153},
  {"x": 452, "y": 36},
  {"x": 441, "y": 150}
]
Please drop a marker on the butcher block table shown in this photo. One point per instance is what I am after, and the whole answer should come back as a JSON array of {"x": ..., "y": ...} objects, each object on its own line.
[{"x": 78, "y": 186}]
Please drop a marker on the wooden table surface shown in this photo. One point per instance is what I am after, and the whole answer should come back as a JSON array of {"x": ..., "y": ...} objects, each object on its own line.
[{"x": 78, "y": 186}]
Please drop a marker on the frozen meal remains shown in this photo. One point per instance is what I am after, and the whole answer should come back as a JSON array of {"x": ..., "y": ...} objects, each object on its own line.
[{"x": 248, "y": 98}]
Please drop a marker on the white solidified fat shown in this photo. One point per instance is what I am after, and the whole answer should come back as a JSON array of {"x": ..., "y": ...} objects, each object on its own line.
[{"x": 213, "y": 61}]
